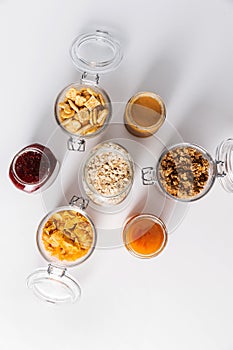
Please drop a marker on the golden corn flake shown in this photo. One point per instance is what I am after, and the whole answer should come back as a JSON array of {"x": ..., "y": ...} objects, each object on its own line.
[{"x": 67, "y": 235}]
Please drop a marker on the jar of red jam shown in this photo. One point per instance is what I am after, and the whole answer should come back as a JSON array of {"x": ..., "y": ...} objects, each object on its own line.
[{"x": 34, "y": 167}]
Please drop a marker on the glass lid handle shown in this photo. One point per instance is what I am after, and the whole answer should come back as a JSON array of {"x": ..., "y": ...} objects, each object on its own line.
[
  {"x": 56, "y": 270},
  {"x": 91, "y": 79},
  {"x": 53, "y": 284},
  {"x": 80, "y": 202},
  {"x": 75, "y": 144},
  {"x": 148, "y": 176}
]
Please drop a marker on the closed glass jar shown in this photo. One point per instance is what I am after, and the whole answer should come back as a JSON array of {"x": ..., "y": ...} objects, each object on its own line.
[
  {"x": 108, "y": 174},
  {"x": 186, "y": 172},
  {"x": 83, "y": 109},
  {"x": 33, "y": 168},
  {"x": 66, "y": 237}
]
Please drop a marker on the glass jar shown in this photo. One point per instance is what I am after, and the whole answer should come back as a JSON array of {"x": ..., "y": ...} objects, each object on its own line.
[
  {"x": 186, "y": 172},
  {"x": 145, "y": 113},
  {"x": 145, "y": 236},
  {"x": 108, "y": 174},
  {"x": 83, "y": 109},
  {"x": 66, "y": 237},
  {"x": 33, "y": 168}
]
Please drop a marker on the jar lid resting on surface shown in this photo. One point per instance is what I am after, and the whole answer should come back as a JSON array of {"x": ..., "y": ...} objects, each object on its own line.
[
  {"x": 96, "y": 52},
  {"x": 224, "y": 160},
  {"x": 54, "y": 285}
]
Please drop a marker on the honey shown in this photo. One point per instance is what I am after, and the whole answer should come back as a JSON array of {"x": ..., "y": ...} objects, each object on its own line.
[
  {"x": 144, "y": 114},
  {"x": 145, "y": 235}
]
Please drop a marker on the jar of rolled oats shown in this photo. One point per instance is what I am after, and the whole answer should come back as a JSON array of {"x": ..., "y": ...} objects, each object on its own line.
[
  {"x": 186, "y": 172},
  {"x": 108, "y": 174},
  {"x": 66, "y": 237},
  {"x": 83, "y": 109}
]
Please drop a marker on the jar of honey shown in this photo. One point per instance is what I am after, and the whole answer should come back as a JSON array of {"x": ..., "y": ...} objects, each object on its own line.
[{"x": 145, "y": 235}]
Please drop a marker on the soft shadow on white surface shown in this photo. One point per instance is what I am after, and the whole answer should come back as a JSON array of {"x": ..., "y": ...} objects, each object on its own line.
[{"x": 182, "y": 299}]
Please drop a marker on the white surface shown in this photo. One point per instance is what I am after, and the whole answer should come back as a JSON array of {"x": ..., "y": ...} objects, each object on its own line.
[{"x": 182, "y": 50}]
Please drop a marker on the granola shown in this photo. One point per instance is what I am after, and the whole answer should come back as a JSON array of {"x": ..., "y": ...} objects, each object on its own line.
[{"x": 184, "y": 172}]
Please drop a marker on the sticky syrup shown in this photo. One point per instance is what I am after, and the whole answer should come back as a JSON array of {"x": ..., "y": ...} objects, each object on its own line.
[{"x": 145, "y": 237}]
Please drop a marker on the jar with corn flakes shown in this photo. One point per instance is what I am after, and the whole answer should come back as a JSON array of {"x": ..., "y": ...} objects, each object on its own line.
[
  {"x": 83, "y": 109},
  {"x": 66, "y": 237}
]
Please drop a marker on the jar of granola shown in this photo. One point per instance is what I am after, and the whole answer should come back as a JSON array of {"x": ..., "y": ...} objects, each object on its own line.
[
  {"x": 65, "y": 237},
  {"x": 108, "y": 174},
  {"x": 186, "y": 172},
  {"x": 83, "y": 109}
]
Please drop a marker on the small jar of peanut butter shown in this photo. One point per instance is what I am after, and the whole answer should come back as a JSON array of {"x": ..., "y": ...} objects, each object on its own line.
[{"x": 144, "y": 114}]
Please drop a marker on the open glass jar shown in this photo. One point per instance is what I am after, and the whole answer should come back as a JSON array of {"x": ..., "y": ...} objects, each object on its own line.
[
  {"x": 83, "y": 109},
  {"x": 145, "y": 236},
  {"x": 108, "y": 174},
  {"x": 186, "y": 172},
  {"x": 66, "y": 237},
  {"x": 145, "y": 113}
]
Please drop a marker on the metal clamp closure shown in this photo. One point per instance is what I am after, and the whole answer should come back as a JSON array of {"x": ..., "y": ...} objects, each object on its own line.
[
  {"x": 80, "y": 202},
  {"x": 148, "y": 176},
  {"x": 75, "y": 144},
  {"x": 56, "y": 270},
  {"x": 220, "y": 168},
  {"x": 95, "y": 79}
]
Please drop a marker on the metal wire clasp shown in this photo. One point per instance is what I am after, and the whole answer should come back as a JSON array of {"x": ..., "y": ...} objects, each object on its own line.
[
  {"x": 75, "y": 144},
  {"x": 80, "y": 202},
  {"x": 148, "y": 176},
  {"x": 95, "y": 79},
  {"x": 220, "y": 168}
]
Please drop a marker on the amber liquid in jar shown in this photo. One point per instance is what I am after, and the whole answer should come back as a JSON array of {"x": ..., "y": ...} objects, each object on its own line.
[
  {"x": 144, "y": 114},
  {"x": 145, "y": 236}
]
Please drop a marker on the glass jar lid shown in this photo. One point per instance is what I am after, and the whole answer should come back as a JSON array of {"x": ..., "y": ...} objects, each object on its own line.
[
  {"x": 54, "y": 285},
  {"x": 96, "y": 52},
  {"x": 224, "y": 161}
]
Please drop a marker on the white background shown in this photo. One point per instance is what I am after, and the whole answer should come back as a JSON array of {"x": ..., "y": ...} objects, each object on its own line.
[{"x": 182, "y": 50}]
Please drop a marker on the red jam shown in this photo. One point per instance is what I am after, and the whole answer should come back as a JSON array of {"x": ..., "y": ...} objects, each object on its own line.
[{"x": 32, "y": 167}]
